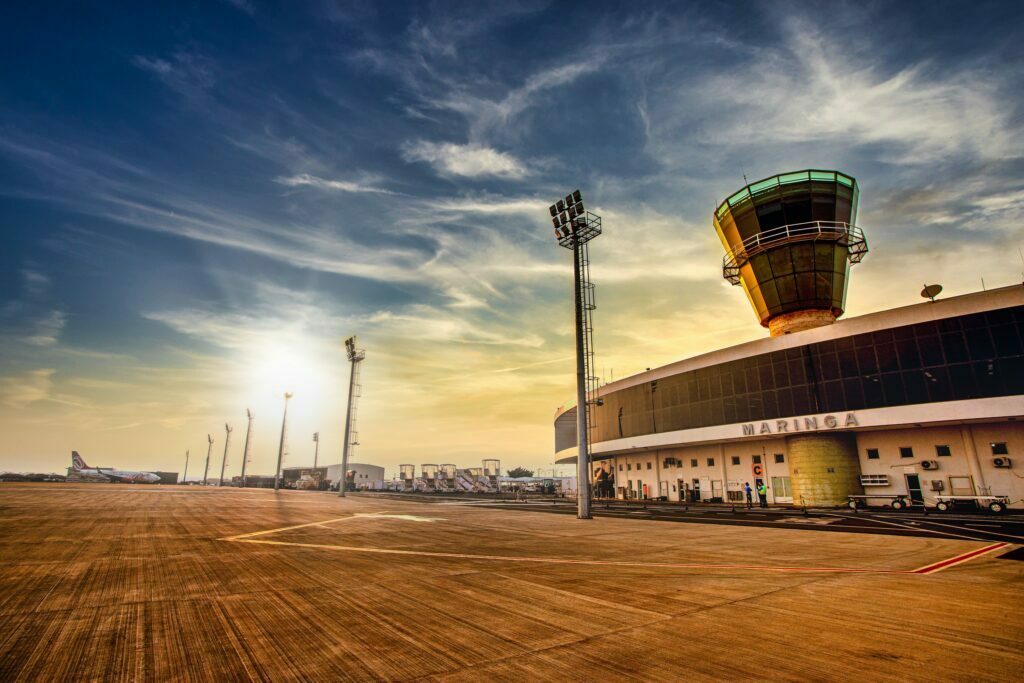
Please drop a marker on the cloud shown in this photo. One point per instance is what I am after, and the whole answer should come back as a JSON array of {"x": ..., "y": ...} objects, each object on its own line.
[
  {"x": 46, "y": 329},
  {"x": 305, "y": 179},
  {"x": 18, "y": 391},
  {"x": 36, "y": 283},
  {"x": 243, "y": 6},
  {"x": 468, "y": 161},
  {"x": 812, "y": 87},
  {"x": 191, "y": 75},
  {"x": 490, "y": 204}
]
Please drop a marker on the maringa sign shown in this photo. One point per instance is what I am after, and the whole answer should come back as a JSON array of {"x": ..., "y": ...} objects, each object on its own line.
[{"x": 799, "y": 424}]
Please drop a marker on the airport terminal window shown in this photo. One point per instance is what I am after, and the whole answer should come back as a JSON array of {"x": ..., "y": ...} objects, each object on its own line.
[
  {"x": 999, "y": 449},
  {"x": 872, "y": 454},
  {"x": 648, "y": 465},
  {"x": 979, "y": 355},
  {"x": 780, "y": 458},
  {"x": 906, "y": 452},
  {"x": 735, "y": 460},
  {"x": 711, "y": 462},
  {"x": 693, "y": 462},
  {"x": 756, "y": 459},
  {"x": 942, "y": 451}
]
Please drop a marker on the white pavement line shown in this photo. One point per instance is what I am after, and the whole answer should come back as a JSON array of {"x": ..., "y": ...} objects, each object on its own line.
[
  {"x": 990, "y": 533},
  {"x": 914, "y": 528},
  {"x": 555, "y": 560}
]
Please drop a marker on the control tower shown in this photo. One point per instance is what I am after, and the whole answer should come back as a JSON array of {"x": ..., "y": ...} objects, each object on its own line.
[{"x": 789, "y": 241}]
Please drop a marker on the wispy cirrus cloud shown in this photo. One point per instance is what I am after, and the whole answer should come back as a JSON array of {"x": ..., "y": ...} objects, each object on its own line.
[
  {"x": 468, "y": 161},
  {"x": 307, "y": 180},
  {"x": 19, "y": 391}
]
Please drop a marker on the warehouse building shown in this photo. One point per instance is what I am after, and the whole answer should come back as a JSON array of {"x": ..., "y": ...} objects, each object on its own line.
[{"x": 923, "y": 401}]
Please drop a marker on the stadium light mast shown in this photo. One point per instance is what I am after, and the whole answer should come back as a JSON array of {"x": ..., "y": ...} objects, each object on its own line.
[
  {"x": 574, "y": 228},
  {"x": 316, "y": 451},
  {"x": 246, "y": 453},
  {"x": 224, "y": 460},
  {"x": 280, "y": 447},
  {"x": 185, "y": 477},
  {"x": 209, "y": 449},
  {"x": 355, "y": 357}
]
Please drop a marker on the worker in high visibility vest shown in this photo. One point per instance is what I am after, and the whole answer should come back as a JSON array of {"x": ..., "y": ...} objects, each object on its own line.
[{"x": 762, "y": 494}]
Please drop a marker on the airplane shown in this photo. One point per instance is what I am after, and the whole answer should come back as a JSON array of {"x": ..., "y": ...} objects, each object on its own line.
[{"x": 126, "y": 476}]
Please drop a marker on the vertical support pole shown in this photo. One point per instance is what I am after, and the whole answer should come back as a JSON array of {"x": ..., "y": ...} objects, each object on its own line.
[
  {"x": 224, "y": 460},
  {"x": 209, "y": 449},
  {"x": 583, "y": 446},
  {"x": 184, "y": 479},
  {"x": 280, "y": 446},
  {"x": 248, "y": 440},
  {"x": 316, "y": 451},
  {"x": 348, "y": 430}
]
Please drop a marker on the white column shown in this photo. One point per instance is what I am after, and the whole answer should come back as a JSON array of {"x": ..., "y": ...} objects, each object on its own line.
[
  {"x": 967, "y": 434},
  {"x": 725, "y": 476}
]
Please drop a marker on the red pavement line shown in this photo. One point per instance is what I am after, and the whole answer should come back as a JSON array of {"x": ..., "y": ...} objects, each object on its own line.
[{"x": 939, "y": 566}]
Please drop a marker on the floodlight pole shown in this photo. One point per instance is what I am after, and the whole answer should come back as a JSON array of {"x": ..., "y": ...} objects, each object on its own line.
[
  {"x": 209, "y": 449},
  {"x": 184, "y": 479},
  {"x": 316, "y": 451},
  {"x": 280, "y": 447},
  {"x": 248, "y": 440},
  {"x": 224, "y": 460},
  {"x": 583, "y": 446},
  {"x": 355, "y": 356},
  {"x": 574, "y": 228}
]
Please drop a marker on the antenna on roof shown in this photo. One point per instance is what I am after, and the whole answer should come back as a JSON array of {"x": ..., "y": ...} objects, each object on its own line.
[
  {"x": 931, "y": 291},
  {"x": 743, "y": 171}
]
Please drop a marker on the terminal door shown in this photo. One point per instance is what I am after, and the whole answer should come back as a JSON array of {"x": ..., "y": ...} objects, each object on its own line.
[{"x": 914, "y": 488}]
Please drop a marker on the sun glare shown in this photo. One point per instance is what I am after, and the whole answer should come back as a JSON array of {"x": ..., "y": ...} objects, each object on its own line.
[{"x": 293, "y": 366}]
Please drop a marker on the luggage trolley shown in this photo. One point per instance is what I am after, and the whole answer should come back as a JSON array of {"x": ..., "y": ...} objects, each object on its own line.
[
  {"x": 995, "y": 504},
  {"x": 897, "y": 501}
]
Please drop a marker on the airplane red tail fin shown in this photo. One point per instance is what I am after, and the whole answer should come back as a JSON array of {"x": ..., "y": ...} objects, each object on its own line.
[{"x": 77, "y": 462}]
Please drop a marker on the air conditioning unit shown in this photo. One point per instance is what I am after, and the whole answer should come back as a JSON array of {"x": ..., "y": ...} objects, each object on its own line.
[
  {"x": 1001, "y": 462},
  {"x": 929, "y": 465},
  {"x": 938, "y": 485}
]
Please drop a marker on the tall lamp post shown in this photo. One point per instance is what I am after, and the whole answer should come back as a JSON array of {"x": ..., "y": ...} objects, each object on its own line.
[
  {"x": 574, "y": 228},
  {"x": 280, "y": 446},
  {"x": 209, "y": 449},
  {"x": 246, "y": 454},
  {"x": 184, "y": 479},
  {"x": 316, "y": 451},
  {"x": 224, "y": 460},
  {"x": 355, "y": 357}
]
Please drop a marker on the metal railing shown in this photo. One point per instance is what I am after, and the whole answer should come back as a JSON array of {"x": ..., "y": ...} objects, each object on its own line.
[{"x": 848, "y": 235}]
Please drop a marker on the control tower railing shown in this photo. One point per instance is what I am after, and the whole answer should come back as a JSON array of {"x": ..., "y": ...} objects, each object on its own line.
[{"x": 848, "y": 235}]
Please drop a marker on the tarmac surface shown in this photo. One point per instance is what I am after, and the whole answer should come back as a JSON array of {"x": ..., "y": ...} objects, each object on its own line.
[{"x": 117, "y": 582}]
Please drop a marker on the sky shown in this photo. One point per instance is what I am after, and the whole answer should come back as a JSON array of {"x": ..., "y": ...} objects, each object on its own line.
[{"x": 199, "y": 201}]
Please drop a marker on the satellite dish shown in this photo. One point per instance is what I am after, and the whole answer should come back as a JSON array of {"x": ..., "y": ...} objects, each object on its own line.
[{"x": 931, "y": 291}]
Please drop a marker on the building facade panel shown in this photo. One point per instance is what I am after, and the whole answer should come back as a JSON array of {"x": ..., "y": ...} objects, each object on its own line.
[{"x": 932, "y": 397}]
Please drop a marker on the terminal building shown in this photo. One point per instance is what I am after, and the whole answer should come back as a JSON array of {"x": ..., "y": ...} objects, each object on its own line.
[{"x": 920, "y": 401}]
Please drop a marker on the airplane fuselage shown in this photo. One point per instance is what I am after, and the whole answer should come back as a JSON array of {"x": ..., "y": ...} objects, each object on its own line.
[{"x": 127, "y": 476}]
